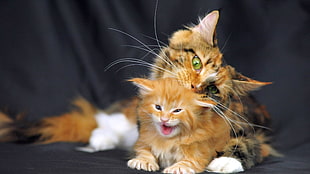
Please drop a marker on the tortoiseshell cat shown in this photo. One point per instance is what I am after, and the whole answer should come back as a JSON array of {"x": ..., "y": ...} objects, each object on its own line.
[
  {"x": 193, "y": 58},
  {"x": 182, "y": 131}
]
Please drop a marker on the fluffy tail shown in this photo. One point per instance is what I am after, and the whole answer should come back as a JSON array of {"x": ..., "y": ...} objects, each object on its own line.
[
  {"x": 75, "y": 126},
  {"x": 265, "y": 148}
]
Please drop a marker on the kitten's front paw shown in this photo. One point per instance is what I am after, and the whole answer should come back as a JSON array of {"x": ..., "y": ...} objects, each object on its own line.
[
  {"x": 179, "y": 169},
  {"x": 142, "y": 164},
  {"x": 225, "y": 165}
]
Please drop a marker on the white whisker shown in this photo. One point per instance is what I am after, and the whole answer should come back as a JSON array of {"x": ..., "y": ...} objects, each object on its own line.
[
  {"x": 161, "y": 42},
  {"x": 142, "y": 48},
  {"x": 155, "y": 23},
  {"x": 139, "y": 62},
  {"x": 240, "y": 116},
  {"x": 143, "y": 44},
  {"x": 220, "y": 113}
]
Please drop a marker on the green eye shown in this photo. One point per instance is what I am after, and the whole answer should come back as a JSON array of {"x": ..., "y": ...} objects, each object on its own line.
[
  {"x": 196, "y": 62},
  {"x": 213, "y": 89}
]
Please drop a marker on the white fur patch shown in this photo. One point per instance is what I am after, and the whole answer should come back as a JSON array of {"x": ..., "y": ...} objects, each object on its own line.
[
  {"x": 114, "y": 131},
  {"x": 225, "y": 165}
]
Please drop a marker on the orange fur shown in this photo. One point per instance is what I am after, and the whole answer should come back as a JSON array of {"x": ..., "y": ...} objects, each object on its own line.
[
  {"x": 202, "y": 132},
  {"x": 4, "y": 120},
  {"x": 75, "y": 126}
]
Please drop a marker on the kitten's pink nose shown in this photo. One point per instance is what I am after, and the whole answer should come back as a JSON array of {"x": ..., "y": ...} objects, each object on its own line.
[{"x": 164, "y": 119}]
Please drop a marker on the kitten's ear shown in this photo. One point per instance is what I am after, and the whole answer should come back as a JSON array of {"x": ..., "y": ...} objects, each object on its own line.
[
  {"x": 145, "y": 85},
  {"x": 243, "y": 84},
  {"x": 207, "y": 26}
]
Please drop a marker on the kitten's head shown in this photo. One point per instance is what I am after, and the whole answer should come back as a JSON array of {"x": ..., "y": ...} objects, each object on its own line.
[
  {"x": 194, "y": 59},
  {"x": 172, "y": 108}
]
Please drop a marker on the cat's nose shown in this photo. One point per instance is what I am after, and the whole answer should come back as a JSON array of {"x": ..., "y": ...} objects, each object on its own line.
[{"x": 164, "y": 119}]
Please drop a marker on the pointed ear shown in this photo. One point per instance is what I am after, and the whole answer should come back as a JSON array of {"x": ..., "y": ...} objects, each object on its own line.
[
  {"x": 243, "y": 84},
  {"x": 145, "y": 85},
  {"x": 207, "y": 26}
]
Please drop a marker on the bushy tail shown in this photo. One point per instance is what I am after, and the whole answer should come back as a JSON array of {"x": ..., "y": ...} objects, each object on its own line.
[
  {"x": 266, "y": 148},
  {"x": 74, "y": 126}
]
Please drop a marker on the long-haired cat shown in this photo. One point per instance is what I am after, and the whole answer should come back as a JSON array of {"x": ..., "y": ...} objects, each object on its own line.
[{"x": 193, "y": 58}]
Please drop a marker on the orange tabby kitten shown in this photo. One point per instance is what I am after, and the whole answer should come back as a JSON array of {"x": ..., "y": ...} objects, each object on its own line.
[
  {"x": 183, "y": 131},
  {"x": 178, "y": 132}
]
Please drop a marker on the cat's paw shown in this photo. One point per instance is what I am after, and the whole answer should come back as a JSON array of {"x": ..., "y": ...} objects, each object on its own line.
[
  {"x": 142, "y": 164},
  {"x": 225, "y": 165},
  {"x": 179, "y": 169}
]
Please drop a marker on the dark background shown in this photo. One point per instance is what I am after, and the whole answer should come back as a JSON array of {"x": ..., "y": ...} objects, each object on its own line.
[{"x": 53, "y": 50}]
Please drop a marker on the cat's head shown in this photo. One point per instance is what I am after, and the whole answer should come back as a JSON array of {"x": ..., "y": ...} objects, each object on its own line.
[
  {"x": 172, "y": 108},
  {"x": 192, "y": 55},
  {"x": 194, "y": 58}
]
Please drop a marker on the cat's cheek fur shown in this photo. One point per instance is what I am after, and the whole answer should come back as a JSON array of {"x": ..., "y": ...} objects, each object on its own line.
[
  {"x": 225, "y": 165},
  {"x": 114, "y": 131}
]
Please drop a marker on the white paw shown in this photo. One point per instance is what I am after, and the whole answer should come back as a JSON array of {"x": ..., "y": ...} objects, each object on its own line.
[
  {"x": 100, "y": 140},
  {"x": 225, "y": 165},
  {"x": 141, "y": 164},
  {"x": 178, "y": 169}
]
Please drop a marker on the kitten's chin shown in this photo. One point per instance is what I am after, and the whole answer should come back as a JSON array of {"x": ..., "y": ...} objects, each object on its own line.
[{"x": 168, "y": 131}]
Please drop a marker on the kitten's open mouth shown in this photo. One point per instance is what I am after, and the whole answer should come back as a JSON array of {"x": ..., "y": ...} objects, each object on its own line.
[{"x": 167, "y": 130}]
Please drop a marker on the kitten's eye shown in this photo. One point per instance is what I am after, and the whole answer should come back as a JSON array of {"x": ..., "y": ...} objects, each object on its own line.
[
  {"x": 177, "y": 110},
  {"x": 158, "y": 107},
  {"x": 213, "y": 89},
  {"x": 196, "y": 62}
]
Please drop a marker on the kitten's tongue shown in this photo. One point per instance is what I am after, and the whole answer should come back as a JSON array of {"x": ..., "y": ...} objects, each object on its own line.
[{"x": 166, "y": 130}]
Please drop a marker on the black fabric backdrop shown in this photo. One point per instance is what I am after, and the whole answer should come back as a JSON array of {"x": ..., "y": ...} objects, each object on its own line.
[{"x": 54, "y": 50}]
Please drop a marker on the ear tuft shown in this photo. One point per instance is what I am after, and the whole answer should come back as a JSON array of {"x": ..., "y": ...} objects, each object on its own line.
[
  {"x": 243, "y": 84},
  {"x": 207, "y": 26}
]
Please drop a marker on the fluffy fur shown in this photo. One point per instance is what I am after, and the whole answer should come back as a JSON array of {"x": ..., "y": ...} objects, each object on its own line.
[
  {"x": 194, "y": 60},
  {"x": 176, "y": 130},
  {"x": 67, "y": 127}
]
